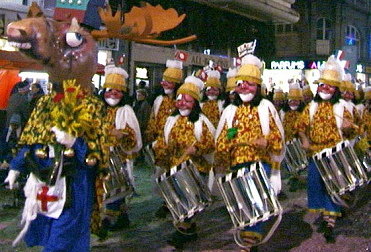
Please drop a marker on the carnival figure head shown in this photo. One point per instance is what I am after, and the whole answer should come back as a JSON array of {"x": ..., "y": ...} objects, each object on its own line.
[
  {"x": 248, "y": 81},
  {"x": 115, "y": 86},
  {"x": 295, "y": 100},
  {"x": 278, "y": 98},
  {"x": 347, "y": 88},
  {"x": 172, "y": 76},
  {"x": 188, "y": 98},
  {"x": 213, "y": 86},
  {"x": 230, "y": 87},
  {"x": 307, "y": 93},
  {"x": 331, "y": 76}
]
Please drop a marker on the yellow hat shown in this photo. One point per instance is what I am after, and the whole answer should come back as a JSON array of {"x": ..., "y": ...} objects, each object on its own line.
[
  {"x": 231, "y": 79},
  {"x": 331, "y": 73},
  {"x": 295, "y": 92},
  {"x": 192, "y": 86},
  {"x": 367, "y": 93},
  {"x": 347, "y": 84},
  {"x": 174, "y": 71},
  {"x": 278, "y": 95},
  {"x": 359, "y": 93},
  {"x": 307, "y": 91},
  {"x": 115, "y": 78},
  {"x": 250, "y": 69},
  {"x": 213, "y": 79}
]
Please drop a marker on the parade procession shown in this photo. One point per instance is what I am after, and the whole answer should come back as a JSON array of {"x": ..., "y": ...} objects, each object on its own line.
[{"x": 215, "y": 141}]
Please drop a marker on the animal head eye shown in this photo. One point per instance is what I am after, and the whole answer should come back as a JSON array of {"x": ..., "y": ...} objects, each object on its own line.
[{"x": 74, "y": 39}]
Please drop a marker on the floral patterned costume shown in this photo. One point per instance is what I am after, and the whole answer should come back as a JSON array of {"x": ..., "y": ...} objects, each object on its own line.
[
  {"x": 181, "y": 133},
  {"x": 212, "y": 110},
  {"x": 163, "y": 107}
]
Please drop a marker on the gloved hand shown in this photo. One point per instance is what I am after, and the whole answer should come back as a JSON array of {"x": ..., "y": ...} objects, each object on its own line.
[
  {"x": 275, "y": 180},
  {"x": 63, "y": 137},
  {"x": 11, "y": 178}
]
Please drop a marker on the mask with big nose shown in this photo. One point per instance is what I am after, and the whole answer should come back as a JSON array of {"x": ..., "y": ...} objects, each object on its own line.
[
  {"x": 325, "y": 91},
  {"x": 246, "y": 90},
  {"x": 185, "y": 104}
]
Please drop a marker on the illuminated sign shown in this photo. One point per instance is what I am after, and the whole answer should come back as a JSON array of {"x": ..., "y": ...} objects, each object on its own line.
[
  {"x": 142, "y": 73},
  {"x": 359, "y": 68},
  {"x": 316, "y": 64},
  {"x": 284, "y": 65}
]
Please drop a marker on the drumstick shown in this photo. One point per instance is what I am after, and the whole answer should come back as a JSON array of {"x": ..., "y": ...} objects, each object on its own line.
[
  {"x": 354, "y": 125},
  {"x": 185, "y": 154}
]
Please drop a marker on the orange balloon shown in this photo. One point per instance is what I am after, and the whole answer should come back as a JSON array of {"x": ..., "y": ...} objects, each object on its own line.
[{"x": 8, "y": 79}]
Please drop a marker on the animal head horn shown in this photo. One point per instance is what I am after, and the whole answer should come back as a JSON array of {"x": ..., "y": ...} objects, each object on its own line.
[
  {"x": 142, "y": 24},
  {"x": 35, "y": 11}
]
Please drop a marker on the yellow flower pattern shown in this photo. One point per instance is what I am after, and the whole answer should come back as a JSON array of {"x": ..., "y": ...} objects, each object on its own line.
[
  {"x": 156, "y": 123},
  {"x": 210, "y": 110},
  {"x": 322, "y": 131},
  {"x": 290, "y": 122},
  {"x": 241, "y": 149},
  {"x": 182, "y": 136},
  {"x": 128, "y": 142}
]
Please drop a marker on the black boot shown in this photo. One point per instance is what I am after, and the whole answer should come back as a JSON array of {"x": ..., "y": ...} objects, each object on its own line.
[
  {"x": 329, "y": 235},
  {"x": 178, "y": 239},
  {"x": 121, "y": 222}
]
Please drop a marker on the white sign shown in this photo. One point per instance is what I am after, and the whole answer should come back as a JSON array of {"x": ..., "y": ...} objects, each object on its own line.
[
  {"x": 111, "y": 44},
  {"x": 284, "y": 65}
]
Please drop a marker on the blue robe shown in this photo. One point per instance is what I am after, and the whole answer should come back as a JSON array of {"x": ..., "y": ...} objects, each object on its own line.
[{"x": 71, "y": 231}]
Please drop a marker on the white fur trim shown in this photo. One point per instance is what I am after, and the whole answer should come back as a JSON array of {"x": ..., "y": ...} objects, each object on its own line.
[
  {"x": 213, "y": 74},
  {"x": 174, "y": 64},
  {"x": 110, "y": 69},
  {"x": 232, "y": 72},
  {"x": 250, "y": 59},
  {"x": 347, "y": 77},
  {"x": 156, "y": 104},
  {"x": 196, "y": 81}
]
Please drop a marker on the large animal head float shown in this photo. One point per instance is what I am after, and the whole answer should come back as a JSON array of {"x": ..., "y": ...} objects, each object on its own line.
[{"x": 66, "y": 50}]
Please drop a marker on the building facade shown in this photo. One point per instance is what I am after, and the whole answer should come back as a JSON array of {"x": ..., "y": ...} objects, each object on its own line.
[{"x": 324, "y": 28}]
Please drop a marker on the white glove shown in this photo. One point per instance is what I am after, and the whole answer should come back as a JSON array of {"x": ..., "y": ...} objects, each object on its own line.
[
  {"x": 275, "y": 180},
  {"x": 63, "y": 137},
  {"x": 11, "y": 178}
]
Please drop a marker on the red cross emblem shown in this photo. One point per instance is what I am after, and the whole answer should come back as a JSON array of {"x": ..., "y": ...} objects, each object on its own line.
[{"x": 45, "y": 198}]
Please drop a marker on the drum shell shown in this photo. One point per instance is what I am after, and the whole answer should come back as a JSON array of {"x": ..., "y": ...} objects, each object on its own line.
[
  {"x": 248, "y": 196},
  {"x": 341, "y": 170},
  {"x": 184, "y": 191}
]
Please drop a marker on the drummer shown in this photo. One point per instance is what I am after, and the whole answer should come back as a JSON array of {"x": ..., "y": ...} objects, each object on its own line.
[
  {"x": 122, "y": 130},
  {"x": 212, "y": 102},
  {"x": 322, "y": 125},
  {"x": 164, "y": 106},
  {"x": 188, "y": 134},
  {"x": 250, "y": 130},
  {"x": 290, "y": 115}
]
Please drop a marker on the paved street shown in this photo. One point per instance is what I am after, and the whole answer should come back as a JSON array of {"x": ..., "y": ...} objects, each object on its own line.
[{"x": 296, "y": 232}]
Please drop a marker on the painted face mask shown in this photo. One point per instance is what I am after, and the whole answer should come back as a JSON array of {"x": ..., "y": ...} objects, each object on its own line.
[{"x": 185, "y": 104}]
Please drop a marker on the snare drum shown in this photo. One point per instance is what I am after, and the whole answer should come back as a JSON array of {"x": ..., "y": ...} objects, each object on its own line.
[
  {"x": 117, "y": 185},
  {"x": 249, "y": 199},
  {"x": 341, "y": 171},
  {"x": 295, "y": 157},
  {"x": 364, "y": 154},
  {"x": 184, "y": 191}
]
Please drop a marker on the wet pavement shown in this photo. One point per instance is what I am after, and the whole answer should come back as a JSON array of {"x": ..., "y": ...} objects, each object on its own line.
[{"x": 296, "y": 232}]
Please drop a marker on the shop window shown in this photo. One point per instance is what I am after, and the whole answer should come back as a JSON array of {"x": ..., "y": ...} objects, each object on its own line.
[
  {"x": 323, "y": 29},
  {"x": 353, "y": 38}
]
